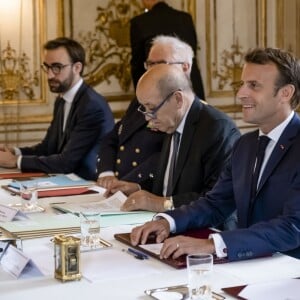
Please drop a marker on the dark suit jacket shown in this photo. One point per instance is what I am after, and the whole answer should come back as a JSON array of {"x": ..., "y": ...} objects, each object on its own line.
[
  {"x": 205, "y": 148},
  {"x": 162, "y": 19},
  {"x": 76, "y": 151},
  {"x": 274, "y": 224},
  {"x": 131, "y": 150}
]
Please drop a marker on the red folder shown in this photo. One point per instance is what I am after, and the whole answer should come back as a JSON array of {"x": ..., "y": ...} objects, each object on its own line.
[
  {"x": 15, "y": 175},
  {"x": 55, "y": 192}
]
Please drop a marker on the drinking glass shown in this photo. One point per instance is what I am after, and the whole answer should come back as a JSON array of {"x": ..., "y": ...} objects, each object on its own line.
[
  {"x": 29, "y": 198},
  {"x": 199, "y": 267},
  {"x": 90, "y": 229}
]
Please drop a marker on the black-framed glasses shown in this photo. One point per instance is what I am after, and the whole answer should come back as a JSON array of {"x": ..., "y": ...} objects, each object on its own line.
[
  {"x": 152, "y": 113},
  {"x": 55, "y": 68},
  {"x": 149, "y": 63}
]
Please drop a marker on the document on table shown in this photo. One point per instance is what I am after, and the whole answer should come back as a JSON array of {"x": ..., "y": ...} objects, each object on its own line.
[
  {"x": 108, "y": 206},
  {"x": 280, "y": 290}
]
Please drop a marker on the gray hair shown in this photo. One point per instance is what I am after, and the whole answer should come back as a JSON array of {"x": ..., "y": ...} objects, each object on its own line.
[{"x": 180, "y": 50}]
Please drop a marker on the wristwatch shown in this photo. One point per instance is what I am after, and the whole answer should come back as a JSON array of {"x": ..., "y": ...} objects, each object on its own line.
[{"x": 168, "y": 204}]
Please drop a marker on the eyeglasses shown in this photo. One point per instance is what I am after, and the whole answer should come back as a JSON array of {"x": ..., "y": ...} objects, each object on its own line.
[
  {"x": 148, "y": 63},
  {"x": 152, "y": 113},
  {"x": 55, "y": 68}
]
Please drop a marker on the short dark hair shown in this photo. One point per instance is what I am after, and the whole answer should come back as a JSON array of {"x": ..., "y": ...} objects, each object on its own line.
[
  {"x": 287, "y": 65},
  {"x": 74, "y": 49}
]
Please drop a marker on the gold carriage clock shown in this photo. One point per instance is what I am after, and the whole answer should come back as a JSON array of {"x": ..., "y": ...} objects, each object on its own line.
[{"x": 67, "y": 257}]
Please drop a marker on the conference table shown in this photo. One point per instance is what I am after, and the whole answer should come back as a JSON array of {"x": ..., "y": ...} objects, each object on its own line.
[{"x": 112, "y": 273}]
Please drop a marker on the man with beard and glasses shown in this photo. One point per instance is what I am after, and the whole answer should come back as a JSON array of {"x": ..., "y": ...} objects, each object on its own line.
[{"x": 81, "y": 118}]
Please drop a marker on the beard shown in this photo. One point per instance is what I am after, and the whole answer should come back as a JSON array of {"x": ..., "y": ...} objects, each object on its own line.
[{"x": 57, "y": 86}]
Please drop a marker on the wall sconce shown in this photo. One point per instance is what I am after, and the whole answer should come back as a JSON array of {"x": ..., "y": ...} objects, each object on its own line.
[{"x": 17, "y": 50}]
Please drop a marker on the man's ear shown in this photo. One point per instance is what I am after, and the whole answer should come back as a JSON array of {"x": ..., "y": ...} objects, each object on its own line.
[
  {"x": 287, "y": 92},
  {"x": 78, "y": 67},
  {"x": 179, "y": 98},
  {"x": 185, "y": 67}
]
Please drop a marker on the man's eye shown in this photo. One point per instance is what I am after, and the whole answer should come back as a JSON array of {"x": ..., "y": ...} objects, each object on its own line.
[{"x": 253, "y": 85}]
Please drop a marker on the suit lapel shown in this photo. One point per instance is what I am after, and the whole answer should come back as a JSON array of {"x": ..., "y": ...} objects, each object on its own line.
[
  {"x": 76, "y": 99},
  {"x": 163, "y": 161},
  {"x": 282, "y": 146},
  {"x": 187, "y": 138}
]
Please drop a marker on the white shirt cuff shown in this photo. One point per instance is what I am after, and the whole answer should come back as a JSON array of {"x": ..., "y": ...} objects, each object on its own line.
[
  {"x": 220, "y": 246},
  {"x": 17, "y": 151},
  {"x": 106, "y": 173},
  {"x": 169, "y": 219},
  {"x": 19, "y": 160}
]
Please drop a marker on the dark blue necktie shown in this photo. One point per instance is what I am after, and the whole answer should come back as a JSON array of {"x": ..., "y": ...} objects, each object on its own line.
[
  {"x": 60, "y": 118},
  {"x": 176, "y": 139},
  {"x": 263, "y": 142}
]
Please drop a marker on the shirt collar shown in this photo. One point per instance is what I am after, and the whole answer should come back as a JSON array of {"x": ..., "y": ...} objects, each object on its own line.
[
  {"x": 70, "y": 94},
  {"x": 275, "y": 133},
  {"x": 182, "y": 123}
]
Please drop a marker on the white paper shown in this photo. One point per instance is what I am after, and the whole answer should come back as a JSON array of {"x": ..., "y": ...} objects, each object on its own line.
[
  {"x": 285, "y": 289},
  {"x": 8, "y": 213},
  {"x": 153, "y": 248},
  {"x": 114, "y": 264},
  {"x": 16, "y": 263},
  {"x": 110, "y": 205},
  {"x": 98, "y": 189}
]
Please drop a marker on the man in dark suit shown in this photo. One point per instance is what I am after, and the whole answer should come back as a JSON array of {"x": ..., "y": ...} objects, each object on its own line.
[
  {"x": 131, "y": 150},
  {"x": 81, "y": 118},
  {"x": 206, "y": 139},
  {"x": 268, "y": 206},
  {"x": 162, "y": 19}
]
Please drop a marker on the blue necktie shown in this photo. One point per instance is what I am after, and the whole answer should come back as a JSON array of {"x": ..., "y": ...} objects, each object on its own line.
[{"x": 263, "y": 142}]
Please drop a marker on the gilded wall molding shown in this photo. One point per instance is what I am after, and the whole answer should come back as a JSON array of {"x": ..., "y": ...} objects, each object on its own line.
[
  {"x": 243, "y": 29},
  {"x": 107, "y": 42},
  {"x": 21, "y": 81}
]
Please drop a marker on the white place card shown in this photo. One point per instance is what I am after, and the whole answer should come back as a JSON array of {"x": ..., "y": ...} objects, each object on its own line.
[
  {"x": 8, "y": 213},
  {"x": 16, "y": 263}
]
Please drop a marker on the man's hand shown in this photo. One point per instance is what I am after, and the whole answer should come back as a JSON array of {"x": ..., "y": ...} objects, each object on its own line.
[
  {"x": 179, "y": 245},
  {"x": 124, "y": 186},
  {"x": 160, "y": 228},
  {"x": 7, "y": 158},
  {"x": 143, "y": 200},
  {"x": 106, "y": 181}
]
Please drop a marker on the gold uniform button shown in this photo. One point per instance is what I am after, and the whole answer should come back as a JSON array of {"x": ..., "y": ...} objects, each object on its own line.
[
  {"x": 118, "y": 161},
  {"x": 134, "y": 164},
  {"x": 116, "y": 173},
  {"x": 137, "y": 150},
  {"x": 122, "y": 148}
]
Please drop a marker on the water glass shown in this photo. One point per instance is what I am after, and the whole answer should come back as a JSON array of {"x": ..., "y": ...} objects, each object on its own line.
[
  {"x": 29, "y": 198},
  {"x": 90, "y": 229},
  {"x": 199, "y": 267}
]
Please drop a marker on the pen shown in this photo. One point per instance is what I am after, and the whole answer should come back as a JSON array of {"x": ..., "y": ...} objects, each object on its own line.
[{"x": 137, "y": 253}]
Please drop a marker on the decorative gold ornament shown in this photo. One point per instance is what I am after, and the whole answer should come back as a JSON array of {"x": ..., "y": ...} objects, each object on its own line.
[
  {"x": 108, "y": 50},
  {"x": 15, "y": 76},
  {"x": 230, "y": 67}
]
